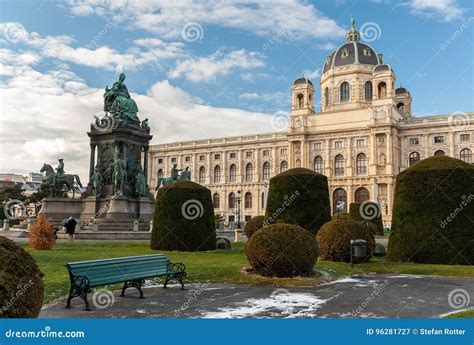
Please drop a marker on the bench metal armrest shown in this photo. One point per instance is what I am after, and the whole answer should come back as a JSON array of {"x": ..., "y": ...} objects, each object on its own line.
[
  {"x": 178, "y": 267},
  {"x": 80, "y": 282}
]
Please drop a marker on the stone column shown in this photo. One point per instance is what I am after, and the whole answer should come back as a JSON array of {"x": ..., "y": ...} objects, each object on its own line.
[
  {"x": 92, "y": 161},
  {"x": 389, "y": 161},
  {"x": 145, "y": 162}
]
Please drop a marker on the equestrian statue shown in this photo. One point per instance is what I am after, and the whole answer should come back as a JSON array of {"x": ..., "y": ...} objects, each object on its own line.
[
  {"x": 175, "y": 177},
  {"x": 58, "y": 183}
]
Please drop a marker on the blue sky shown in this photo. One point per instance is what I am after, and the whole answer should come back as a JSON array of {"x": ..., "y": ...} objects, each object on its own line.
[{"x": 229, "y": 78}]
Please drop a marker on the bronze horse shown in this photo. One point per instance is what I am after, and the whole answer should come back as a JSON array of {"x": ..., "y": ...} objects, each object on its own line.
[{"x": 66, "y": 179}]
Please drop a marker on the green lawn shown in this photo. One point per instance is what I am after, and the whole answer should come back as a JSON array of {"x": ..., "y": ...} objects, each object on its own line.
[
  {"x": 212, "y": 267},
  {"x": 467, "y": 314}
]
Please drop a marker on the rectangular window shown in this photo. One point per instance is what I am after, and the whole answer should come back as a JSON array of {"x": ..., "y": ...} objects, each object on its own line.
[
  {"x": 249, "y": 154},
  {"x": 202, "y": 158},
  {"x": 247, "y": 219},
  {"x": 414, "y": 141},
  {"x": 266, "y": 153},
  {"x": 360, "y": 142},
  {"x": 338, "y": 144},
  {"x": 439, "y": 139},
  {"x": 160, "y": 160},
  {"x": 217, "y": 156},
  {"x": 318, "y": 146},
  {"x": 231, "y": 219},
  {"x": 283, "y": 152},
  {"x": 187, "y": 159},
  {"x": 173, "y": 160},
  {"x": 232, "y": 155},
  {"x": 465, "y": 137}
]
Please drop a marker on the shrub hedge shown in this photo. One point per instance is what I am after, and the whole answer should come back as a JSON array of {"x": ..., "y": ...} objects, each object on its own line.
[
  {"x": 299, "y": 196},
  {"x": 253, "y": 225},
  {"x": 433, "y": 213},
  {"x": 21, "y": 282},
  {"x": 282, "y": 250},
  {"x": 372, "y": 213},
  {"x": 184, "y": 218},
  {"x": 334, "y": 239}
]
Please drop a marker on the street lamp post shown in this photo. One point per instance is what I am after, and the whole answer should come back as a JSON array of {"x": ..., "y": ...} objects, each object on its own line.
[{"x": 237, "y": 210}]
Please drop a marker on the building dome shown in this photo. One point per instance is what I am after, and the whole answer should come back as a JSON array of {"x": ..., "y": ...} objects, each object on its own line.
[
  {"x": 302, "y": 80},
  {"x": 353, "y": 51},
  {"x": 382, "y": 68},
  {"x": 400, "y": 90}
]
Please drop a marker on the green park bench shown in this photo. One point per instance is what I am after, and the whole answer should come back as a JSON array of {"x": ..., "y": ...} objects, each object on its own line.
[{"x": 132, "y": 271}]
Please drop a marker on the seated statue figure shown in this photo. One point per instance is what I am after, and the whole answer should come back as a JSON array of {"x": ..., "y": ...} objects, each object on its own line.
[{"x": 117, "y": 100}]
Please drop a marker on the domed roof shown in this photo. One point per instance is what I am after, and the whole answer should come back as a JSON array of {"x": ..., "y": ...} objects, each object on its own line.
[
  {"x": 352, "y": 52},
  {"x": 400, "y": 90},
  {"x": 302, "y": 80},
  {"x": 381, "y": 68}
]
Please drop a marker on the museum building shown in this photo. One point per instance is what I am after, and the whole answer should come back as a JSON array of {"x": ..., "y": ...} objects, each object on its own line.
[{"x": 362, "y": 137}]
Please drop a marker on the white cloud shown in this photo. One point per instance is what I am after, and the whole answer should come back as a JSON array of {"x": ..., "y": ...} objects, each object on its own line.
[
  {"x": 252, "y": 77},
  {"x": 294, "y": 18},
  {"x": 439, "y": 9},
  {"x": 204, "y": 69},
  {"x": 47, "y": 114},
  {"x": 312, "y": 74}
]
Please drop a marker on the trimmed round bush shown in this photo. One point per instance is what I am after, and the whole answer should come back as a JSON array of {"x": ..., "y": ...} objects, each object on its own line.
[
  {"x": 341, "y": 215},
  {"x": 369, "y": 211},
  {"x": 299, "y": 196},
  {"x": 282, "y": 250},
  {"x": 184, "y": 218},
  {"x": 334, "y": 239},
  {"x": 433, "y": 213},
  {"x": 21, "y": 282},
  {"x": 253, "y": 225}
]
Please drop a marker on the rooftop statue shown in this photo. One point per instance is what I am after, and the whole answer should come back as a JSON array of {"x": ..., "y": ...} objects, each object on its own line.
[{"x": 117, "y": 100}]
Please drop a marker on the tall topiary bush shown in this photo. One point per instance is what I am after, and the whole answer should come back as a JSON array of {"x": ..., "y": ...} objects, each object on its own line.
[
  {"x": 369, "y": 211},
  {"x": 21, "y": 282},
  {"x": 433, "y": 213},
  {"x": 41, "y": 234},
  {"x": 334, "y": 239},
  {"x": 282, "y": 250},
  {"x": 253, "y": 225},
  {"x": 184, "y": 218},
  {"x": 299, "y": 196}
]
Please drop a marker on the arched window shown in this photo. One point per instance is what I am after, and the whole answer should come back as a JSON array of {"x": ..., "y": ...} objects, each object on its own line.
[
  {"x": 401, "y": 107},
  {"x": 263, "y": 200},
  {"x": 231, "y": 202},
  {"x": 466, "y": 155},
  {"x": 202, "y": 175},
  {"x": 339, "y": 199},
  {"x": 345, "y": 92},
  {"x": 233, "y": 173},
  {"x": 217, "y": 174},
  {"x": 339, "y": 165},
  {"x": 283, "y": 166},
  {"x": 319, "y": 165},
  {"x": 160, "y": 173},
  {"x": 361, "y": 194},
  {"x": 326, "y": 97},
  {"x": 361, "y": 164},
  {"x": 439, "y": 153},
  {"x": 413, "y": 158},
  {"x": 382, "y": 89},
  {"x": 300, "y": 100},
  {"x": 266, "y": 171},
  {"x": 216, "y": 200},
  {"x": 368, "y": 91},
  {"x": 248, "y": 200},
  {"x": 249, "y": 172}
]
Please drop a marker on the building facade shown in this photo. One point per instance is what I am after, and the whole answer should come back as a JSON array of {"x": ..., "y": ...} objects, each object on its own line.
[{"x": 362, "y": 137}]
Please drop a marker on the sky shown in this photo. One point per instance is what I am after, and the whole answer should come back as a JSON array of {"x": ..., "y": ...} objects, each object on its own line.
[{"x": 203, "y": 69}]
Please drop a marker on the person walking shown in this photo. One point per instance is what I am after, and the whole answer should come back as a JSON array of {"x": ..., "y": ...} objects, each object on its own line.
[{"x": 70, "y": 228}]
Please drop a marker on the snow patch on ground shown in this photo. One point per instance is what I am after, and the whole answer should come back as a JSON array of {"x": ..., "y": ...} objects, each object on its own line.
[
  {"x": 288, "y": 305},
  {"x": 356, "y": 281}
]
